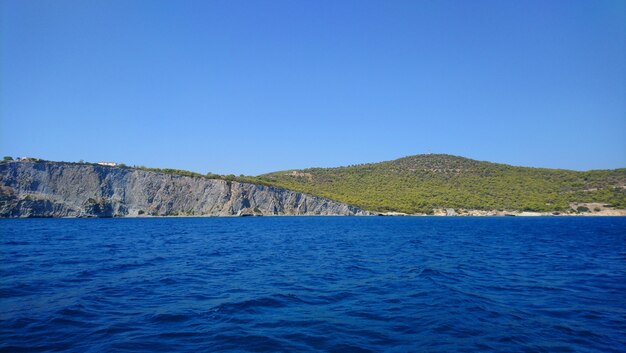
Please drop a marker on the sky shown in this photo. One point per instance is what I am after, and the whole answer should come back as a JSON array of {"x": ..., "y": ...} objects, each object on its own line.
[{"x": 248, "y": 87}]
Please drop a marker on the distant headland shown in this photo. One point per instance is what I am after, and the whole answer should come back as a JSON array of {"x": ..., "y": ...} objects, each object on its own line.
[{"x": 429, "y": 184}]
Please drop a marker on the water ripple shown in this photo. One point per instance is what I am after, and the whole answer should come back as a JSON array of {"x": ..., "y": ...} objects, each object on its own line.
[{"x": 313, "y": 284}]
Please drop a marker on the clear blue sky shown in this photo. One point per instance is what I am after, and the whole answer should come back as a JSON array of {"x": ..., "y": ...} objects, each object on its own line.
[{"x": 258, "y": 86}]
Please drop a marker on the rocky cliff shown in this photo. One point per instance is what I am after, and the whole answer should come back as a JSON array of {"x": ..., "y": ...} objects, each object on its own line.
[{"x": 52, "y": 189}]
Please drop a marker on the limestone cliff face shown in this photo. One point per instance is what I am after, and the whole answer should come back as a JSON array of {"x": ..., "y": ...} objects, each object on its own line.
[{"x": 51, "y": 189}]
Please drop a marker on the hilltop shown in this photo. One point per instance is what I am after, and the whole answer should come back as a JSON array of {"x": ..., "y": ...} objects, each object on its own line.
[{"x": 424, "y": 183}]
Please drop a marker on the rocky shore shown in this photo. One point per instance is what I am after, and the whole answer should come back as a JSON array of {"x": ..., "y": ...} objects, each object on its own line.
[
  {"x": 576, "y": 209},
  {"x": 55, "y": 189}
]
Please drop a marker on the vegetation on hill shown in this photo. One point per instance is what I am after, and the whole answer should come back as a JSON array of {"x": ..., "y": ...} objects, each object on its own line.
[
  {"x": 421, "y": 183},
  {"x": 418, "y": 184}
]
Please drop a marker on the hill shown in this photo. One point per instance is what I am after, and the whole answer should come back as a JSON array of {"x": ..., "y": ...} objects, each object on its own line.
[
  {"x": 421, "y": 183},
  {"x": 36, "y": 188}
]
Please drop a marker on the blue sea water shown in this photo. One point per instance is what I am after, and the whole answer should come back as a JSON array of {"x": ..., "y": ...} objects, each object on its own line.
[{"x": 297, "y": 284}]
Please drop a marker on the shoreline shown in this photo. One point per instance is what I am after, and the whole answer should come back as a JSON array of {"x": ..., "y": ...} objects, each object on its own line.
[{"x": 395, "y": 214}]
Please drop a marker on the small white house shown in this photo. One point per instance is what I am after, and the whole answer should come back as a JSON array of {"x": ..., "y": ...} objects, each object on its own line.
[{"x": 108, "y": 164}]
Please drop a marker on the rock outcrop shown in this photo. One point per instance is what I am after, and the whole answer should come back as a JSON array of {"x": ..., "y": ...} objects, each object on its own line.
[{"x": 55, "y": 189}]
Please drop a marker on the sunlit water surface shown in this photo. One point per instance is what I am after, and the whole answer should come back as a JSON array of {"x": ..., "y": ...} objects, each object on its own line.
[{"x": 297, "y": 284}]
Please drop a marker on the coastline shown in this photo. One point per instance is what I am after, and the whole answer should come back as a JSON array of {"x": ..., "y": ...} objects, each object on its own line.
[
  {"x": 44, "y": 189},
  {"x": 489, "y": 214},
  {"x": 606, "y": 212}
]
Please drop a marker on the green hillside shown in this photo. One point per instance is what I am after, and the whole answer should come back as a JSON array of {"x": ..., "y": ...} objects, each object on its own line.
[{"x": 417, "y": 184}]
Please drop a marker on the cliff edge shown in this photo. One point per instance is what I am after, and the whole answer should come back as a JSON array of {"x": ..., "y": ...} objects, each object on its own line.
[{"x": 57, "y": 189}]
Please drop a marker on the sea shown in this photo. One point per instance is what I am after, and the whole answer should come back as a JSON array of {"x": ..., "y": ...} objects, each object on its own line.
[{"x": 313, "y": 284}]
